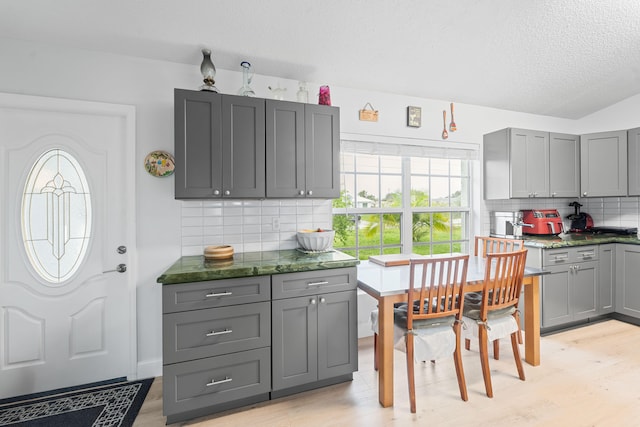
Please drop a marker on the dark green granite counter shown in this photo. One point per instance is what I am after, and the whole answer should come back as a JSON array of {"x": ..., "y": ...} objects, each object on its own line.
[
  {"x": 197, "y": 269},
  {"x": 577, "y": 239}
]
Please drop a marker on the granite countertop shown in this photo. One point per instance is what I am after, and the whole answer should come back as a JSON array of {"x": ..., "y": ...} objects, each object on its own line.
[
  {"x": 196, "y": 268},
  {"x": 577, "y": 239}
]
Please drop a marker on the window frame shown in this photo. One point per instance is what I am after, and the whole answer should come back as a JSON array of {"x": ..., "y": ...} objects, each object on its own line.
[{"x": 406, "y": 245}]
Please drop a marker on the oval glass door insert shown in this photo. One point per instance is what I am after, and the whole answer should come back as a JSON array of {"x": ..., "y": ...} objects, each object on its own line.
[{"x": 56, "y": 216}]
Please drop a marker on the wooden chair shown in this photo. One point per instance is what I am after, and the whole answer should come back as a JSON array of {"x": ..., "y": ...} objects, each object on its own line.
[
  {"x": 485, "y": 245},
  {"x": 496, "y": 318},
  {"x": 435, "y": 300}
]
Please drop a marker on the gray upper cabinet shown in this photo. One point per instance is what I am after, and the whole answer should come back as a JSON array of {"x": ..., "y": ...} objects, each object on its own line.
[
  {"x": 564, "y": 165},
  {"x": 219, "y": 146},
  {"x": 603, "y": 164},
  {"x": 633, "y": 136},
  {"x": 302, "y": 150},
  {"x": 516, "y": 164}
]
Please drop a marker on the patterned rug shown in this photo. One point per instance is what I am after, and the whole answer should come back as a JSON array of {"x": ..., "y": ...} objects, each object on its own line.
[{"x": 113, "y": 405}]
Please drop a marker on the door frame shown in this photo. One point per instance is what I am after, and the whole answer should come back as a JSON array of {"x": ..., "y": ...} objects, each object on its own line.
[{"x": 127, "y": 113}]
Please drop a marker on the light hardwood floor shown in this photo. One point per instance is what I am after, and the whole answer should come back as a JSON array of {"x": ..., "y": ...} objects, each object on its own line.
[{"x": 587, "y": 377}]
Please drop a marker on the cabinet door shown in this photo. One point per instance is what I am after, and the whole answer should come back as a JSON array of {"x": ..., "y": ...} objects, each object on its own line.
[
  {"x": 556, "y": 302},
  {"x": 634, "y": 161},
  {"x": 603, "y": 165},
  {"x": 564, "y": 165},
  {"x": 627, "y": 273},
  {"x": 607, "y": 278},
  {"x": 337, "y": 334},
  {"x": 584, "y": 289},
  {"x": 322, "y": 151},
  {"x": 285, "y": 149},
  {"x": 198, "y": 144},
  {"x": 529, "y": 166},
  {"x": 243, "y": 151},
  {"x": 294, "y": 342}
]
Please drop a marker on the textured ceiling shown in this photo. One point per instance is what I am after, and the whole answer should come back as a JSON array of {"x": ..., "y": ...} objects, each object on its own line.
[{"x": 565, "y": 58}]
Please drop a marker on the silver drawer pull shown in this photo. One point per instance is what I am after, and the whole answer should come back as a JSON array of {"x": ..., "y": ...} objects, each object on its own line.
[
  {"x": 562, "y": 257},
  {"x": 221, "y": 294},
  {"x": 317, "y": 283},
  {"x": 214, "y": 382},
  {"x": 214, "y": 333}
]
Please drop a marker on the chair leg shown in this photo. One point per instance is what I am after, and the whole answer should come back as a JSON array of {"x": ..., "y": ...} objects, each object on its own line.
[
  {"x": 410, "y": 365},
  {"x": 484, "y": 359},
  {"x": 496, "y": 349},
  {"x": 375, "y": 352},
  {"x": 467, "y": 344},
  {"x": 516, "y": 355},
  {"x": 457, "y": 360},
  {"x": 517, "y": 316}
]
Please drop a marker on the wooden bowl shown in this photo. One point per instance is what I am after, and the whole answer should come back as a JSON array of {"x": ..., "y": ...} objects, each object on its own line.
[{"x": 218, "y": 253}]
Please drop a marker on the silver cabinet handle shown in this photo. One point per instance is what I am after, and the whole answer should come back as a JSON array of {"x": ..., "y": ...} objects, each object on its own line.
[
  {"x": 309, "y": 193},
  {"x": 313, "y": 301},
  {"x": 553, "y": 194},
  {"x": 221, "y": 294},
  {"x": 216, "y": 192},
  {"x": 584, "y": 194},
  {"x": 227, "y": 192},
  {"x": 214, "y": 333},
  {"x": 322, "y": 300},
  {"x": 317, "y": 283},
  {"x": 214, "y": 382},
  {"x": 301, "y": 192}
]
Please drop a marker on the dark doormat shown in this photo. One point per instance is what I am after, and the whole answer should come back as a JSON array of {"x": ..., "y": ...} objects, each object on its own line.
[{"x": 113, "y": 405}]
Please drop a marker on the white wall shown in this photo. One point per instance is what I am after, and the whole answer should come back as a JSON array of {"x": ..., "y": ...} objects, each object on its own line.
[{"x": 148, "y": 85}]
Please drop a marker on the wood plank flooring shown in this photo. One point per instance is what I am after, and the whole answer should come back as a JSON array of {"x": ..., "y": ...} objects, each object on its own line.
[{"x": 588, "y": 376}]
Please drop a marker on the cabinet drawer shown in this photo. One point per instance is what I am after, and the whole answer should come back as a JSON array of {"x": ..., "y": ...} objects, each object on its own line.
[
  {"x": 313, "y": 282},
  {"x": 215, "y": 293},
  {"x": 215, "y": 331},
  {"x": 205, "y": 382},
  {"x": 562, "y": 256}
]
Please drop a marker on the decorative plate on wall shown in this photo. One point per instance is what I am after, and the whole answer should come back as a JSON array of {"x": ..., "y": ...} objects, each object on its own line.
[{"x": 159, "y": 163}]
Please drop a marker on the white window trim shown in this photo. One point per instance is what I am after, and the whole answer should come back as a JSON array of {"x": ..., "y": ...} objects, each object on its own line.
[{"x": 390, "y": 145}]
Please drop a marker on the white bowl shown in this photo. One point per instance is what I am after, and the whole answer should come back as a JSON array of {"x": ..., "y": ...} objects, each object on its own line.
[{"x": 316, "y": 240}]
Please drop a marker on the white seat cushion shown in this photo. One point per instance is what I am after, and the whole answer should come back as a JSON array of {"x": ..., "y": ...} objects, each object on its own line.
[
  {"x": 430, "y": 343},
  {"x": 498, "y": 328}
]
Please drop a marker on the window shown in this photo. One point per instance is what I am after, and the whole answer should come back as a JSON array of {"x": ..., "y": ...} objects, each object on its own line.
[
  {"x": 56, "y": 216},
  {"x": 399, "y": 198}
]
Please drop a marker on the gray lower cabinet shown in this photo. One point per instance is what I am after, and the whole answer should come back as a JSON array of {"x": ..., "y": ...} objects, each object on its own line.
[
  {"x": 607, "y": 278},
  {"x": 216, "y": 345},
  {"x": 570, "y": 290},
  {"x": 628, "y": 280},
  {"x": 234, "y": 342},
  {"x": 314, "y": 335},
  {"x": 302, "y": 150}
]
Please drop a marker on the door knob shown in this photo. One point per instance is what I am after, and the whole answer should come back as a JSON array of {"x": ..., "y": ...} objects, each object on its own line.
[{"x": 121, "y": 268}]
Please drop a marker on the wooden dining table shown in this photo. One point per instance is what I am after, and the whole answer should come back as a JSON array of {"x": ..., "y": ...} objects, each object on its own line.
[{"x": 389, "y": 285}]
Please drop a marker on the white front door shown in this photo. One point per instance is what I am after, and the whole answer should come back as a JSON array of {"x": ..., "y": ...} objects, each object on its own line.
[{"x": 67, "y": 285}]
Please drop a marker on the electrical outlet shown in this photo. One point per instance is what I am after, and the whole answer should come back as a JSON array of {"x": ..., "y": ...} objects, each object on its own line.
[{"x": 275, "y": 223}]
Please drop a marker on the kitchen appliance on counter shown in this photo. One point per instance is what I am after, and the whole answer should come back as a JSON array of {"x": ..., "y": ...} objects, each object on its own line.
[
  {"x": 580, "y": 221},
  {"x": 507, "y": 225},
  {"x": 542, "y": 221},
  {"x": 622, "y": 231}
]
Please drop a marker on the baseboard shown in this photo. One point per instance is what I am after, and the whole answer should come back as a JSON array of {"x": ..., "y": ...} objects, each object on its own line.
[{"x": 149, "y": 369}]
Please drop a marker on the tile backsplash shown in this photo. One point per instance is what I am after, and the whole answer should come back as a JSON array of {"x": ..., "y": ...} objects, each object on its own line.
[
  {"x": 605, "y": 211},
  {"x": 250, "y": 225}
]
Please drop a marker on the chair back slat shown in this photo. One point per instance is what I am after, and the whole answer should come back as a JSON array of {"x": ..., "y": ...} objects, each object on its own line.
[
  {"x": 436, "y": 287},
  {"x": 486, "y": 245},
  {"x": 504, "y": 273}
]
